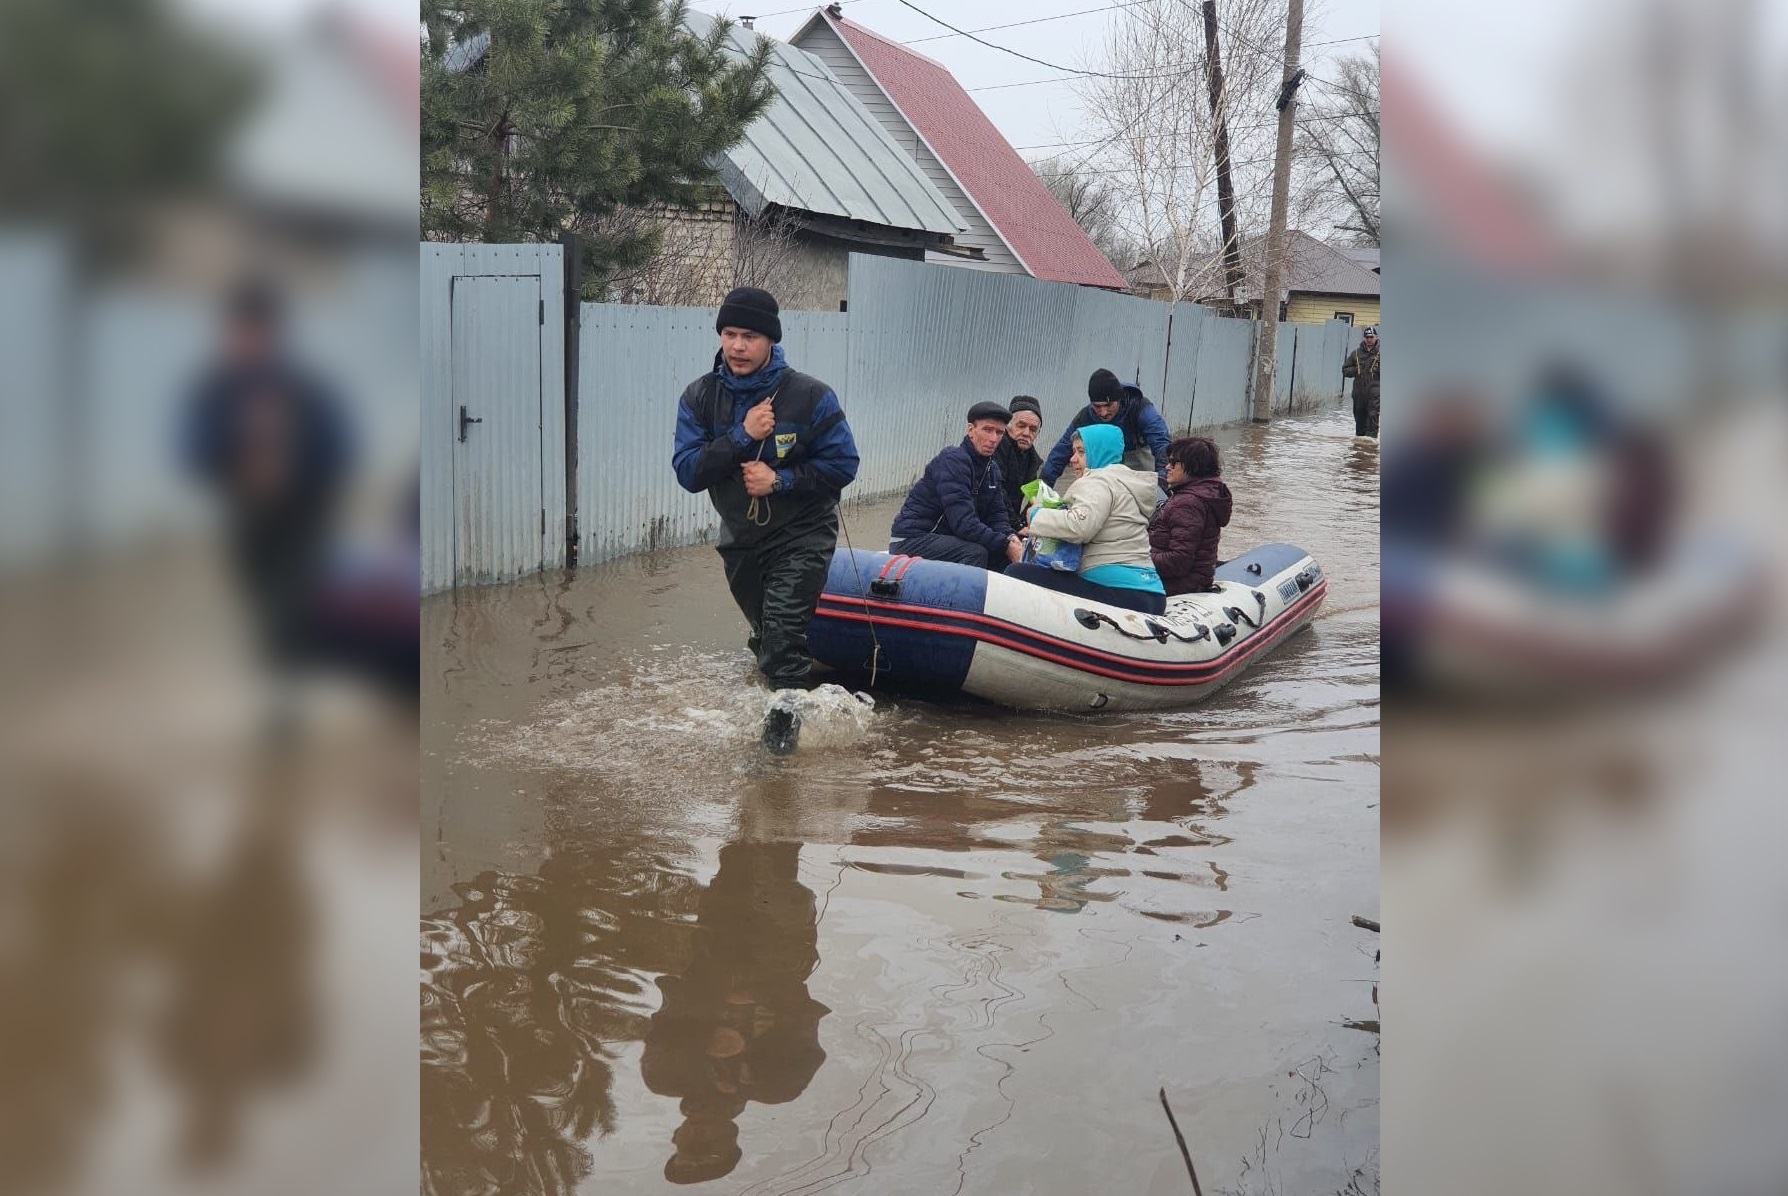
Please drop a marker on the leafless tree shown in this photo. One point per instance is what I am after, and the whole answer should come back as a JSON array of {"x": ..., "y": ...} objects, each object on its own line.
[
  {"x": 706, "y": 252},
  {"x": 1092, "y": 202},
  {"x": 1148, "y": 106},
  {"x": 768, "y": 253},
  {"x": 1338, "y": 152}
]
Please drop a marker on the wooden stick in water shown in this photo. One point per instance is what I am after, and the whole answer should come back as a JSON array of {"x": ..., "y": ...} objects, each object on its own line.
[
  {"x": 1365, "y": 923},
  {"x": 1181, "y": 1139}
]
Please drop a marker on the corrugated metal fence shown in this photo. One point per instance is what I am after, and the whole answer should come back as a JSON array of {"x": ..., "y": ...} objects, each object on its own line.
[{"x": 919, "y": 345}]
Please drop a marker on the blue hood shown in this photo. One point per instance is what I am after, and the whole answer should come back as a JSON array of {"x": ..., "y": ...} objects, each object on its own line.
[{"x": 1104, "y": 444}]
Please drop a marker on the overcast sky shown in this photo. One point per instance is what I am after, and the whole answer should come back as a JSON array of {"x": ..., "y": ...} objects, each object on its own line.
[{"x": 1038, "y": 116}]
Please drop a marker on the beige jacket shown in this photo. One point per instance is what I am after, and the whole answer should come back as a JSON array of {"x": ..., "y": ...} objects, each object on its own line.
[{"x": 1108, "y": 511}]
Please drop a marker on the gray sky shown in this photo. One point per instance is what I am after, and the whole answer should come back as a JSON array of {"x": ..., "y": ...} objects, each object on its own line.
[{"x": 1034, "y": 119}]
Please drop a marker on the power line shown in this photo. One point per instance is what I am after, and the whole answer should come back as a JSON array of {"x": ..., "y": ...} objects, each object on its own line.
[
  {"x": 1333, "y": 86},
  {"x": 1051, "y": 65},
  {"x": 1306, "y": 118},
  {"x": 1199, "y": 62},
  {"x": 1061, "y": 16},
  {"x": 764, "y": 16}
]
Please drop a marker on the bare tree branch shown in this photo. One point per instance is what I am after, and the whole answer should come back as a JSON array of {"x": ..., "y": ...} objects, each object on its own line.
[
  {"x": 1157, "y": 131},
  {"x": 1338, "y": 151}
]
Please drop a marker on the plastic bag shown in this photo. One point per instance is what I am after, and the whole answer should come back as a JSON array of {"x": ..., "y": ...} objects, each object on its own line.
[{"x": 1048, "y": 551}]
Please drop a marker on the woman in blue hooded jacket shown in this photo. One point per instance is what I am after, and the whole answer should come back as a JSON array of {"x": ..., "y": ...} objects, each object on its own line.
[{"x": 1107, "y": 512}]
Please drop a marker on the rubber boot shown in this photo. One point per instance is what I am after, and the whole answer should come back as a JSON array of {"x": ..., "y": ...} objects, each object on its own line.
[{"x": 782, "y": 727}]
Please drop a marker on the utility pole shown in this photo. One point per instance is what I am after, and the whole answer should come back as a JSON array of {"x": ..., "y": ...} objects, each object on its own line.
[
  {"x": 1232, "y": 245},
  {"x": 1275, "y": 246}
]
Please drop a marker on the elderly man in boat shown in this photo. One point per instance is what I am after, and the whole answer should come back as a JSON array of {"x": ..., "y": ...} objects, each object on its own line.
[{"x": 956, "y": 511}]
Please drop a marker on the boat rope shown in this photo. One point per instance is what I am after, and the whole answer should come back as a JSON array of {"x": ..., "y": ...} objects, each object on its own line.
[
  {"x": 875, "y": 655},
  {"x": 762, "y": 505}
]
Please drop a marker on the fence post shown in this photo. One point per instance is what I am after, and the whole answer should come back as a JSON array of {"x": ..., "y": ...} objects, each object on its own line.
[
  {"x": 1291, "y": 391},
  {"x": 573, "y": 286}
]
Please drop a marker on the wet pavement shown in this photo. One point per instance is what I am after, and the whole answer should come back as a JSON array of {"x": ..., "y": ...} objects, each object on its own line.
[{"x": 943, "y": 948}]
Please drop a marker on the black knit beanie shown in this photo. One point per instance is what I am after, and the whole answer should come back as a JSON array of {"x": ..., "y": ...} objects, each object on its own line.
[
  {"x": 1026, "y": 403},
  {"x": 1103, "y": 387},
  {"x": 750, "y": 308}
]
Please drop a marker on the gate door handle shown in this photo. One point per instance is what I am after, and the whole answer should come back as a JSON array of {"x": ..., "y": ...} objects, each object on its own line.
[{"x": 465, "y": 419}]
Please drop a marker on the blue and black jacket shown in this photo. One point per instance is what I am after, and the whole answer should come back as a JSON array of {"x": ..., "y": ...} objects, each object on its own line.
[
  {"x": 811, "y": 447},
  {"x": 1137, "y": 418},
  {"x": 958, "y": 495}
]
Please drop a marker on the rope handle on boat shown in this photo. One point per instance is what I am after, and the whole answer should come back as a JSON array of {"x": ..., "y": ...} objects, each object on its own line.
[
  {"x": 1241, "y": 616},
  {"x": 1158, "y": 632}
]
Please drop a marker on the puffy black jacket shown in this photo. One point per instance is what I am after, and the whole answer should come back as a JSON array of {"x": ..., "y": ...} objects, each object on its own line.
[
  {"x": 958, "y": 495},
  {"x": 1017, "y": 466}
]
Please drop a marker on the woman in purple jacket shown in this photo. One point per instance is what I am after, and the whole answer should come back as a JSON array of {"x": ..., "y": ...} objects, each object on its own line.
[{"x": 1183, "y": 534}]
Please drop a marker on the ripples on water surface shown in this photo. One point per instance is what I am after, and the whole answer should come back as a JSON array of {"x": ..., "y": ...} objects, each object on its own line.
[{"x": 944, "y": 947}]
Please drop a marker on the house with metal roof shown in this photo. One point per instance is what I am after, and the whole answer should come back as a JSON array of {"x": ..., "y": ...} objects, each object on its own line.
[
  {"x": 1318, "y": 282},
  {"x": 1011, "y": 218},
  {"x": 816, "y": 169}
]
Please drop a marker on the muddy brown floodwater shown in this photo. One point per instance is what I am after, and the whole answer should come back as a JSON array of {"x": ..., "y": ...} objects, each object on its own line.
[{"x": 943, "y": 948}]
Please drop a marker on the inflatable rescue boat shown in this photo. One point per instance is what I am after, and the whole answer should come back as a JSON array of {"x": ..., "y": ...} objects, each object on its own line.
[
  {"x": 1468, "y": 627},
  {"x": 907, "y": 623}
]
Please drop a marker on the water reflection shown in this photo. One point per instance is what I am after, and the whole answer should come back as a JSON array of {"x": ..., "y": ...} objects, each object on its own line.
[
  {"x": 527, "y": 987},
  {"x": 206, "y": 955},
  {"x": 533, "y": 983},
  {"x": 1158, "y": 805},
  {"x": 243, "y": 1015},
  {"x": 738, "y": 1024}
]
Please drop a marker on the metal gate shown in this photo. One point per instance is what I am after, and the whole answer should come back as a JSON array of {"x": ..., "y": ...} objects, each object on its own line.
[
  {"x": 493, "y": 350},
  {"x": 499, "y": 498}
]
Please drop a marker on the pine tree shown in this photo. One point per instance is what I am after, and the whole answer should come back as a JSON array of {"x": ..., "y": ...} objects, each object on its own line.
[{"x": 546, "y": 116}]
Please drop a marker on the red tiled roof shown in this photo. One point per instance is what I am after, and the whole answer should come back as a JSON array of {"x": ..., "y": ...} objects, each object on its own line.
[
  {"x": 1014, "y": 200},
  {"x": 1475, "y": 205}
]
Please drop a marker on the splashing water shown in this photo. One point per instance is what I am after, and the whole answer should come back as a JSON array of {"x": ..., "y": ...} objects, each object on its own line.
[
  {"x": 831, "y": 715},
  {"x": 691, "y": 706}
]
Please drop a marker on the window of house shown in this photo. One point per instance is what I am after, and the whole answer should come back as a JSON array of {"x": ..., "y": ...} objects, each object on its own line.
[{"x": 1345, "y": 317}]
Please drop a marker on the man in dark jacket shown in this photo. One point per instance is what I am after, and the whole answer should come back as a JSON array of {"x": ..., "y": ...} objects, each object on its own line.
[
  {"x": 1017, "y": 455},
  {"x": 272, "y": 441},
  {"x": 770, "y": 447},
  {"x": 1114, "y": 402},
  {"x": 955, "y": 511},
  {"x": 1362, "y": 367},
  {"x": 1184, "y": 533}
]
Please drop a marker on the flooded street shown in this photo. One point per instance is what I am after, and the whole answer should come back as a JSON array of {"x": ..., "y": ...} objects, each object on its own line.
[{"x": 942, "y": 948}]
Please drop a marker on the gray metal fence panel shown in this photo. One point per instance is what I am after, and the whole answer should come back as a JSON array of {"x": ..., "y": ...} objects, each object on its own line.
[
  {"x": 36, "y": 478},
  {"x": 1179, "y": 400},
  {"x": 1225, "y": 359},
  {"x": 1321, "y": 349},
  {"x": 513, "y": 488},
  {"x": 929, "y": 343},
  {"x": 634, "y": 363},
  {"x": 818, "y": 343},
  {"x": 926, "y": 344},
  {"x": 1285, "y": 351}
]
